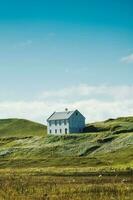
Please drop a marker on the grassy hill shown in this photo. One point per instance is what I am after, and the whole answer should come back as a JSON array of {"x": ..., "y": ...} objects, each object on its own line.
[
  {"x": 25, "y": 144},
  {"x": 20, "y": 128},
  {"x": 115, "y": 126}
]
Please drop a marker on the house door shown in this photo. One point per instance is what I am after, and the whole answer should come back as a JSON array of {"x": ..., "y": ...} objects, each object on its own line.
[{"x": 65, "y": 130}]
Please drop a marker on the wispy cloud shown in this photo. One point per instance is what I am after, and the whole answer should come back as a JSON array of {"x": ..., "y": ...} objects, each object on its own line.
[
  {"x": 127, "y": 59},
  {"x": 84, "y": 91},
  {"x": 95, "y": 102}
]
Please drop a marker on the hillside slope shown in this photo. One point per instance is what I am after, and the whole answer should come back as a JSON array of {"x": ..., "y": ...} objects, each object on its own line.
[
  {"x": 20, "y": 128},
  {"x": 119, "y": 125},
  {"x": 110, "y": 145}
]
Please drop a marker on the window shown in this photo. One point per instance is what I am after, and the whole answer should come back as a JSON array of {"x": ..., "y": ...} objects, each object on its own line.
[
  {"x": 50, "y": 123},
  {"x": 60, "y": 131},
  {"x": 55, "y": 123},
  {"x": 50, "y": 131},
  {"x": 60, "y": 122},
  {"x": 65, "y": 130},
  {"x": 76, "y": 113},
  {"x": 65, "y": 121},
  {"x": 55, "y": 130}
]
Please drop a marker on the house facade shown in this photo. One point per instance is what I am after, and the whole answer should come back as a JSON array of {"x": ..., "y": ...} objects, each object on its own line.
[{"x": 65, "y": 122}]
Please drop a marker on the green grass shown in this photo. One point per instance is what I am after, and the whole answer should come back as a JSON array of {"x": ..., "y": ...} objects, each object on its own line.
[
  {"x": 20, "y": 128},
  {"x": 25, "y": 144},
  {"x": 119, "y": 125}
]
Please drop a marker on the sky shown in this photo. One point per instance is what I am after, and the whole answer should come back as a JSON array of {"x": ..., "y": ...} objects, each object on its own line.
[{"x": 57, "y": 54}]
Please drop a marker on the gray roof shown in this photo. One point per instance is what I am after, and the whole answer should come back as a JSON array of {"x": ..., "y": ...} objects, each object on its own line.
[{"x": 60, "y": 115}]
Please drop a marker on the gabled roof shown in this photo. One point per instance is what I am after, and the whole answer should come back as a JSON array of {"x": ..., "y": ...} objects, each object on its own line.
[{"x": 60, "y": 115}]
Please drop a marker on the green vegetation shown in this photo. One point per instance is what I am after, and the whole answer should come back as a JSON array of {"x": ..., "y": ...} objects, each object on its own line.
[
  {"x": 25, "y": 144},
  {"x": 115, "y": 126},
  {"x": 14, "y": 187},
  {"x": 94, "y": 165},
  {"x": 20, "y": 128}
]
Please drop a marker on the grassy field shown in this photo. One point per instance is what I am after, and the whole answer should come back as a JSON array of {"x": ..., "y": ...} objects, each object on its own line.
[
  {"x": 97, "y": 164},
  {"x": 23, "y": 187}
]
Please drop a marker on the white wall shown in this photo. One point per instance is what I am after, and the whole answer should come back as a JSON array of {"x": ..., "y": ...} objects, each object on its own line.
[{"x": 57, "y": 127}]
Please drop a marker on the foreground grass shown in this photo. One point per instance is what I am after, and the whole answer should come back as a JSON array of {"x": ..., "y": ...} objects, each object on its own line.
[{"x": 28, "y": 187}]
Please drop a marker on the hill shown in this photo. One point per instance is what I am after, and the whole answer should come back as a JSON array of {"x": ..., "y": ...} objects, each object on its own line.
[
  {"x": 107, "y": 144},
  {"x": 20, "y": 128},
  {"x": 115, "y": 126}
]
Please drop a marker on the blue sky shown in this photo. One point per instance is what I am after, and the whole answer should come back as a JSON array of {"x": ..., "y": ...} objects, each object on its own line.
[{"x": 66, "y": 47}]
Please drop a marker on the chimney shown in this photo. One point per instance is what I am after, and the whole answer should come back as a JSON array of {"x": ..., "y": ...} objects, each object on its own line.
[{"x": 66, "y": 109}]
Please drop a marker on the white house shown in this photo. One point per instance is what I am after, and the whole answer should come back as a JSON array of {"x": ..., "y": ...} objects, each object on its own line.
[{"x": 65, "y": 122}]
